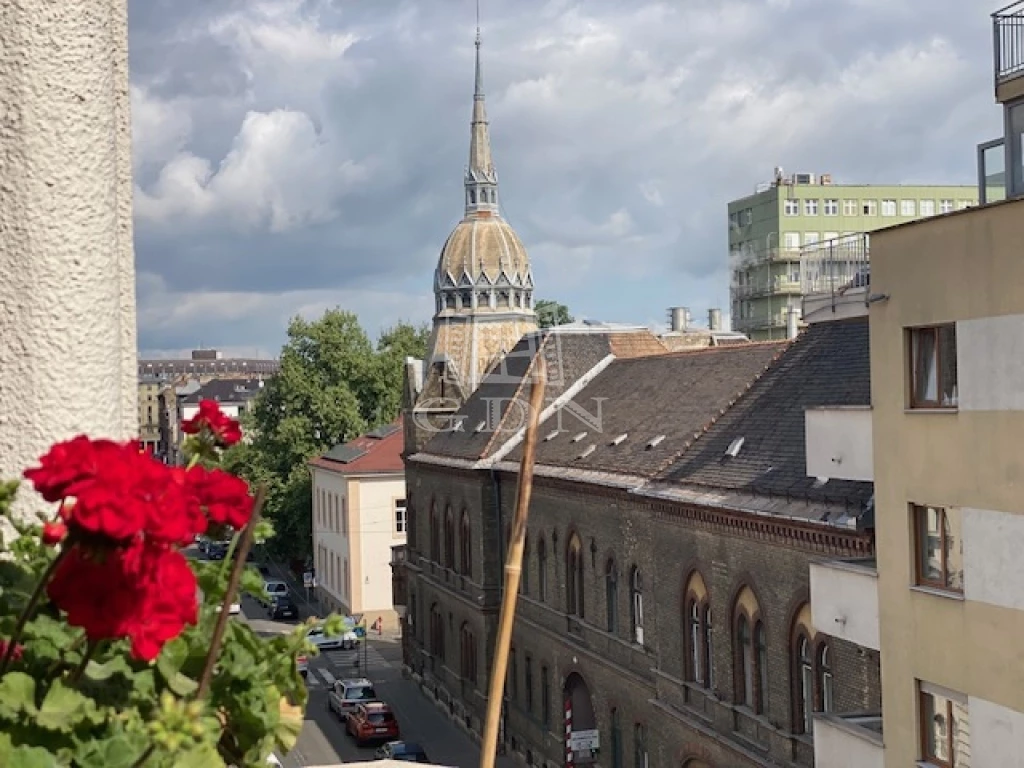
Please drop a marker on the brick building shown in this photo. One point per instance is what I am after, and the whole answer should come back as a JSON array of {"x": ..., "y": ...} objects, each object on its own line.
[{"x": 665, "y": 594}]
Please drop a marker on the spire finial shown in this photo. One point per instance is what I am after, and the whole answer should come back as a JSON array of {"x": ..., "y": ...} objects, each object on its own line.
[
  {"x": 481, "y": 181},
  {"x": 478, "y": 90}
]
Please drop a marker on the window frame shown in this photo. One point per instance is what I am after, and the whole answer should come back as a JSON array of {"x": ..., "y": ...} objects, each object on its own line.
[
  {"x": 791, "y": 210},
  {"x": 912, "y": 345},
  {"x": 449, "y": 538},
  {"x": 574, "y": 577},
  {"x": 542, "y": 570},
  {"x": 850, "y": 206},
  {"x": 919, "y": 514},
  {"x": 830, "y": 206},
  {"x": 611, "y": 595},
  {"x": 465, "y": 545},
  {"x": 636, "y": 605},
  {"x": 810, "y": 206},
  {"x": 928, "y": 203},
  {"x": 924, "y": 692},
  {"x": 401, "y": 517},
  {"x": 889, "y": 207},
  {"x": 908, "y": 207},
  {"x": 869, "y": 207}
]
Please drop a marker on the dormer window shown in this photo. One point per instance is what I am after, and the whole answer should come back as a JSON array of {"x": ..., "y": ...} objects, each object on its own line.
[
  {"x": 655, "y": 442},
  {"x": 580, "y": 436}
]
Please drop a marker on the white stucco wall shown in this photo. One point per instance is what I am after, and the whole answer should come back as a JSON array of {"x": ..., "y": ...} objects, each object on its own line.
[
  {"x": 838, "y": 443},
  {"x": 997, "y": 734},
  {"x": 990, "y": 363},
  {"x": 376, "y": 537},
  {"x": 836, "y": 746},
  {"x": 844, "y": 602},
  {"x": 333, "y": 541},
  {"x": 67, "y": 303},
  {"x": 993, "y": 567}
]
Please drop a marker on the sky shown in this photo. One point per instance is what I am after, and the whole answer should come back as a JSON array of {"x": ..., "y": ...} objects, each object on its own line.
[{"x": 297, "y": 155}]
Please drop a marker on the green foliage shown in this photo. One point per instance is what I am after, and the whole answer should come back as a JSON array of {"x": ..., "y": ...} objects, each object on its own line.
[
  {"x": 333, "y": 386},
  {"x": 551, "y": 313}
]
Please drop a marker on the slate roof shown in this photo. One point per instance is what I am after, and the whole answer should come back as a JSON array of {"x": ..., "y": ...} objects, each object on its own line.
[
  {"x": 377, "y": 452},
  {"x": 646, "y": 411},
  {"x": 487, "y": 420},
  {"x": 225, "y": 391},
  {"x": 828, "y": 365}
]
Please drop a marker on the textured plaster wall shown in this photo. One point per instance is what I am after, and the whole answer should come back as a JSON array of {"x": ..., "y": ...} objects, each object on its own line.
[{"x": 67, "y": 297}]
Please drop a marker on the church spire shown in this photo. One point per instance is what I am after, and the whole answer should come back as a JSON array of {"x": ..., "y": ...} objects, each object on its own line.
[{"x": 481, "y": 179}]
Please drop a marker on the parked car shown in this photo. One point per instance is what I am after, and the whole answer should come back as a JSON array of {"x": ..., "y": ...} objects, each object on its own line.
[
  {"x": 346, "y": 695},
  {"x": 405, "y": 751},
  {"x": 273, "y": 588},
  {"x": 372, "y": 721},
  {"x": 234, "y": 610},
  {"x": 216, "y": 550},
  {"x": 302, "y": 664},
  {"x": 282, "y": 607},
  {"x": 325, "y": 642}
]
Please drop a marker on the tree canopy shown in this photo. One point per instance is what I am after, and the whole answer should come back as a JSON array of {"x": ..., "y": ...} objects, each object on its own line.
[
  {"x": 333, "y": 385},
  {"x": 551, "y": 313}
]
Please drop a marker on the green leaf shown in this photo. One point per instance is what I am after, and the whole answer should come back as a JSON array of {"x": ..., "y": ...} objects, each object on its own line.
[
  {"x": 115, "y": 752},
  {"x": 202, "y": 755},
  {"x": 172, "y": 658},
  {"x": 64, "y": 708},
  {"x": 104, "y": 671},
  {"x": 182, "y": 684},
  {"x": 252, "y": 582},
  {"x": 17, "y": 695}
]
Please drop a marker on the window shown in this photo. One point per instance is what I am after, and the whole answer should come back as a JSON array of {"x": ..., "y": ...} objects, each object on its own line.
[
  {"x": 791, "y": 240},
  {"x": 933, "y": 367},
  {"x": 746, "y": 216},
  {"x": 435, "y": 534},
  {"x": 825, "y": 680},
  {"x": 636, "y": 594},
  {"x": 611, "y": 595},
  {"x": 831, "y": 236},
  {"x": 888, "y": 207},
  {"x": 831, "y": 208},
  {"x": 849, "y": 207},
  {"x": 811, "y": 238},
  {"x": 792, "y": 207},
  {"x": 908, "y": 207},
  {"x": 348, "y": 579},
  {"x": 344, "y": 515},
  {"x": 528, "y": 683},
  {"x": 542, "y": 570},
  {"x": 939, "y": 546},
  {"x": 616, "y": 729},
  {"x": 926, "y": 207},
  {"x": 945, "y": 728},
  {"x": 697, "y": 644},
  {"x": 870, "y": 208},
  {"x": 696, "y": 637},
  {"x": 810, "y": 207},
  {"x": 524, "y": 576},
  {"x": 945, "y": 206},
  {"x": 734, "y": 220},
  {"x": 761, "y": 648},
  {"x": 640, "y": 757},
  {"x": 748, "y": 635},
  {"x": 574, "y": 576},
  {"x": 512, "y": 685},
  {"x": 401, "y": 522},
  {"x": 436, "y": 633},
  {"x": 468, "y": 657},
  {"x": 545, "y": 697},
  {"x": 806, "y": 671},
  {"x": 745, "y": 662},
  {"x": 449, "y": 539},
  {"x": 465, "y": 546},
  {"x": 962, "y": 204},
  {"x": 709, "y": 657}
]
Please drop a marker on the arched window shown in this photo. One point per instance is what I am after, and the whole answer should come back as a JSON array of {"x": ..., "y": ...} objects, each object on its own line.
[
  {"x": 436, "y": 633},
  {"x": 435, "y": 534},
  {"x": 696, "y": 635},
  {"x": 825, "y": 678},
  {"x": 636, "y": 603},
  {"x": 611, "y": 594},
  {"x": 574, "y": 576},
  {"x": 748, "y": 675},
  {"x": 465, "y": 547},
  {"x": 449, "y": 539},
  {"x": 542, "y": 570},
  {"x": 806, "y": 700},
  {"x": 761, "y": 649},
  {"x": 640, "y": 757},
  {"x": 524, "y": 576},
  {"x": 616, "y": 738},
  {"x": 709, "y": 657},
  {"x": 467, "y": 656}
]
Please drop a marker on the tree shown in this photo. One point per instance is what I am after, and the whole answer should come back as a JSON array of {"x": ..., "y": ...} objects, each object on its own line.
[
  {"x": 551, "y": 313},
  {"x": 333, "y": 385}
]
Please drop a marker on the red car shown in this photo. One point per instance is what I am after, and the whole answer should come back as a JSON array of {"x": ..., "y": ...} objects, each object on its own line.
[{"x": 372, "y": 721}]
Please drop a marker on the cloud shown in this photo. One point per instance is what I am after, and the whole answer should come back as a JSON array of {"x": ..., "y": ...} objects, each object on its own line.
[{"x": 289, "y": 151}]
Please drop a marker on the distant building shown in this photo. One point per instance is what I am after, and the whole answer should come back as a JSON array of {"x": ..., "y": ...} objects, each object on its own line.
[
  {"x": 205, "y": 364},
  {"x": 681, "y": 334},
  {"x": 233, "y": 395},
  {"x": 768, "y": 229},
  {"x": 149, "y": 412},
  {"x": 359, "y": 517}
]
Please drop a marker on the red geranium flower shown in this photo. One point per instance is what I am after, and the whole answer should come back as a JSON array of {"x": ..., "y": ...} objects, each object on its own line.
[
  {"x": 54, "y": 533},
  {"x": 224, "y": 496},
  {"x": 15, "y": 654},
  {"x": 68, "y": 465},
  {"x": 210, "y": 417}
]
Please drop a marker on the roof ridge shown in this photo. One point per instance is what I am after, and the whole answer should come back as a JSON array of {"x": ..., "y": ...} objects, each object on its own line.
[
  {"x": 527, "y": 376},
  {"x": 714, "y": 419},
  {"x": 718, "y": 349}
]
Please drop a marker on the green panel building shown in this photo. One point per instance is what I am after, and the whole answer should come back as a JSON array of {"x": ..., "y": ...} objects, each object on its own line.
[{"x": 768, "y": 230}]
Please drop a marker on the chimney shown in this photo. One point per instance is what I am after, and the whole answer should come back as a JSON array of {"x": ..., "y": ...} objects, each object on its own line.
[
  {"x": 679, "y": 318},
  {"x": 791, "y": 322},
  {"x": 714, "y": 319}
]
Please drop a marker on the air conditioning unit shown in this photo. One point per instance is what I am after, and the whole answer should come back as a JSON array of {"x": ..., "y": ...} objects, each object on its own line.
[
  {"x": 826, "y": 179},
  {"x": 803, "y": 178}
]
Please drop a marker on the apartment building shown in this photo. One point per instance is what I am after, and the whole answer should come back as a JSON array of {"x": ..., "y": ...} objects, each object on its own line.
[
  {"x": 149, "y": 412},
  {"x": 359, "y": 516},
  {"x": 942, "y": 599},
  {"x": 768, "y": 230}
]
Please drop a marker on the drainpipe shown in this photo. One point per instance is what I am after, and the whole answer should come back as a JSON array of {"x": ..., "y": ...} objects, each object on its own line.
[{"x": 791, "y": 323}]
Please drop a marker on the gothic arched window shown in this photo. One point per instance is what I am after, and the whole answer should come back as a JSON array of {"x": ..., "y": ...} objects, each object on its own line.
[{"x": 574, "y": 576}]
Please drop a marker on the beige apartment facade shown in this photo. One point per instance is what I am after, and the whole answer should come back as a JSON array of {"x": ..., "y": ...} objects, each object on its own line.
[{"x": 359, "y": 514}]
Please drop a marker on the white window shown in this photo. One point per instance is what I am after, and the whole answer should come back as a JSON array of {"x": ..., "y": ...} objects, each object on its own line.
[
  {"x": 888, "y": 207},
  {"x": 400, "y": 518},
  {"x": 811, "y": 238},
  {"x": 831, "y": 207},
  {"x": 792, "y": 207},
  {"x": 926, "y": 207},
  {"x": 908, "y": 208},
  {"x": 810, "y": 207},
  {"x": 961, "y": 204},
  {"x": 945, "y": 727},
  {"x": 830, "y": 236},
  {"x": 791, "y": 240},
  {"x": 870, "y": 208},
  {"x": 849, "y": 207},
  {"x": 945, "y": 206}
]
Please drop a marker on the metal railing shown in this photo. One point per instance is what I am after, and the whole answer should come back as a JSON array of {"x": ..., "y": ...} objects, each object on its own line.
[
  {"x": 836, "y": 266},
  {"x": 778, "y": 284},
  {"x": 1008, "y": 41}
]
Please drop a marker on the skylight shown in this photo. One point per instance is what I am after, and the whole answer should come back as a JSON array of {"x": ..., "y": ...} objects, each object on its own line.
[
  {"x": 587, "y": 451},
  {"x": 619, "y": 440},
  {"x": 552, "y": 435},
  {"x": 655, "y": 442},
  {"x": 734, "y": 447},
  {"x": 479, "y": 427},
  {"x": 580, "y": 436}
]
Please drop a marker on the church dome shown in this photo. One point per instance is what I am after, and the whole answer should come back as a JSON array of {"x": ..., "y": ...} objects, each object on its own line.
[{"x": 483, "y": 251}]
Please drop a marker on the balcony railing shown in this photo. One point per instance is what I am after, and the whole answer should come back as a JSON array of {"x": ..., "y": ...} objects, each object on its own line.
[
  {"x": 835, "y": 266},
  {"x": 1008, "y": 41},
  {"x": 780, "y": 284}
]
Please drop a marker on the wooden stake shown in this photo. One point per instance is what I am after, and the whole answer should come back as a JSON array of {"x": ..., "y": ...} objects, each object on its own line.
[{"x": 513, "y": 570}]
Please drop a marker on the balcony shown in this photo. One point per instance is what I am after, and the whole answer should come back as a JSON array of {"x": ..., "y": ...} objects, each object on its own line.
[
  {"x": 844, "y": 600},
  {"x": 1008, "y": 50},
  {"x": 838, "y": 440},
  {"x": 848, "y": 741},
  {"x": 779, "y": 285},
  {"x": 835, "y": 276}
]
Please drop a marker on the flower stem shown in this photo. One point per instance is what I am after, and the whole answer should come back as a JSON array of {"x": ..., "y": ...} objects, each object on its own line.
[
  {"x": 144, "y": 756},
  {"x": 30, "y": 607},
  {"x": 225, "y": 611},
  {"x": 90, "y": 651}
]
